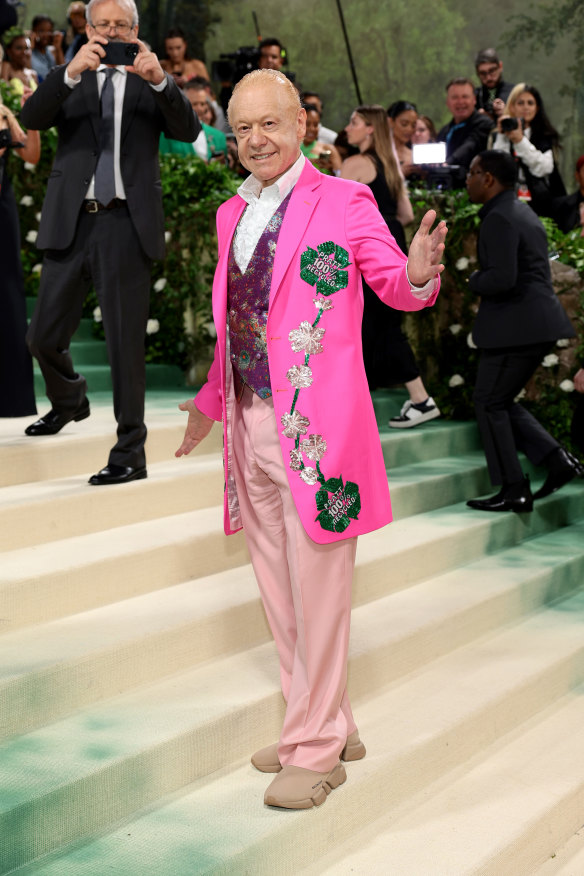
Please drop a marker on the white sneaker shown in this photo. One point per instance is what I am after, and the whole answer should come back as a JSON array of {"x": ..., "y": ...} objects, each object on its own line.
[{"x": 412, "y": 414}]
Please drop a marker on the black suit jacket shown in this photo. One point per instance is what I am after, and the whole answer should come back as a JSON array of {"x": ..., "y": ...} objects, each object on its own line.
[
  {"x": 468, "y": 140},
  {"x": 75, "y": 113},
  {"x": 518, "y": 303}
]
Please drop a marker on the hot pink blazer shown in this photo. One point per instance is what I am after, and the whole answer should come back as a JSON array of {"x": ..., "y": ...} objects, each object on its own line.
[{"x": 332, "y": 234}]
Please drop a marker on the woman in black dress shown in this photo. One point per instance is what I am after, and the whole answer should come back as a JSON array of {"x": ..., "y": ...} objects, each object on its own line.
[
  {"x": 387, "y": 354},
  {"x": 16, "y": 376}
]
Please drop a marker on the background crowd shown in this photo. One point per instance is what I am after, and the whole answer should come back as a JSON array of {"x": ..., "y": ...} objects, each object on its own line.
[{"x": 380, "y": 147}]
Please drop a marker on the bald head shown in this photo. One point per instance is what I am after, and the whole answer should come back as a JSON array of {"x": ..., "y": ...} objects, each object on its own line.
[{"x": 260, "y": 79}]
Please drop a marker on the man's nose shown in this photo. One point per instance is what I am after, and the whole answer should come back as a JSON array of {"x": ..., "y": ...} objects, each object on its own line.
[{"x": 257, "y": 136}]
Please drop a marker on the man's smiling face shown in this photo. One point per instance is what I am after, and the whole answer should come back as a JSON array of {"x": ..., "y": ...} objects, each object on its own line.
[{"x": 268, "y": 127}]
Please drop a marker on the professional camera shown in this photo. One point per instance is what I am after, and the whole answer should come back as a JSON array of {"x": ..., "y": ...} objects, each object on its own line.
[
  {"x": 510, "y": 124},
  {"x": 232, "y": 66}
]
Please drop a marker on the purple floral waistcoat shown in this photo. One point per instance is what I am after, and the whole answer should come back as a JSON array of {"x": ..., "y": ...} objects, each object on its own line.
[{"x": 248, "y": 298}]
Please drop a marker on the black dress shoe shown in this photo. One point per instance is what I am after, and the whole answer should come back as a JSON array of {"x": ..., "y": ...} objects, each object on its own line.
[
  {"x": 118, "y": 474},
  {"x": 512, "y": 497},
  {"x": 54, "y": 421},
  {"x": 564, "y": 467}
]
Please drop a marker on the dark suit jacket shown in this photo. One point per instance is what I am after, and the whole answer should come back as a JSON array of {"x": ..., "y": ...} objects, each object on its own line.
[
  {"x": 468, "y": 140},
  {"x": 75, "y": 113},
  {"x": 518, "y": 303},
  {"x": 566, "y": 211}
]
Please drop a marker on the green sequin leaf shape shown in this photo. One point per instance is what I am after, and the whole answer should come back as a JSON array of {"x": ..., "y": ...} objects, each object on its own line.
[
  {"x": 337, "y": 504},
  {"x": 324, "y": 267}
]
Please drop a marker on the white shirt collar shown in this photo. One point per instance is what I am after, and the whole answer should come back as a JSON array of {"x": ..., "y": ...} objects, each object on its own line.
[
  {"x": 103, "y": 67},
  {"x": 252, "y": 189}
]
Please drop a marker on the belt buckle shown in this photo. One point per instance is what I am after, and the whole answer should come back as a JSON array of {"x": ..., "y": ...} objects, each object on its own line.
[{"x": 92, "y": 206}]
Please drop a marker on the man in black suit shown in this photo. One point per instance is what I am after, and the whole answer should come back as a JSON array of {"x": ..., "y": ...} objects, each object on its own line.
[
  {"x": 102, "y": 221},
  {"x": 493, "y": 91},
  {"x": 518, "y": 321},
  {"x": 466, "y": 134},
  {"x": 568, "y": 211}
]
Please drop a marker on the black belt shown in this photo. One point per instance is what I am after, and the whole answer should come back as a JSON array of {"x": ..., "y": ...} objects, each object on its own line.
[{"x": 93, "y": 206}]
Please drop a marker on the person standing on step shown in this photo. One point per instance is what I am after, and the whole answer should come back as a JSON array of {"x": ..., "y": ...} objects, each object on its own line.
[
  {"x": 102, "y": 220},
  {"x": 303, "y": 462},
  {"x": 518, "y": 321}
]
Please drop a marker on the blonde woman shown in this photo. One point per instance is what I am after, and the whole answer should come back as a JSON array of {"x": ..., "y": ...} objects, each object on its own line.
[{"x": 388, "y": 357}]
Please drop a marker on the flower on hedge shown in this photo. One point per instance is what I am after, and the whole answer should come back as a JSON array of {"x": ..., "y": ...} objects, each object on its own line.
[
  {"x": 97, "y": 314},
  {"x": 152, "y": 326},
  {"x": 167, "y": 236},
  {"x": 29, "y": 166},
  {"x": 550, "y": 360},
  {"x": 567, "y": 385},
  {"x": 26, "y": 201},
  {"x": 32, "y": 236},
  {"x": 211, "y": 330},
  {"x": 456, "y": 328},
  {"x": 160, "y": 284},
  {"x": 462, "y": 264},
  {"x": 470, "y": 341},
  {"x": 36, "y": 269},
  {"x": 563, "y": 342},
  {"x": 456, "y": 380}
]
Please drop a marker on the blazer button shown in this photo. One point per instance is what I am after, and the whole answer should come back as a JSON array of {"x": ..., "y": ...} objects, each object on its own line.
[{"x": 85, "y": 182}]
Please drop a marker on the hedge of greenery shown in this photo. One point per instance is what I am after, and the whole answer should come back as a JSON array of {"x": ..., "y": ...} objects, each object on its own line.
[{"x": 181, "y": 332}]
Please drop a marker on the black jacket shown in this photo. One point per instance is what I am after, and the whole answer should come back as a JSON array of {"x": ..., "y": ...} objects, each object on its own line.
[
  {"x": 518, "y": 303},
  {"x": 75, "y": 114},
  {"x": 466, "y": 141}
]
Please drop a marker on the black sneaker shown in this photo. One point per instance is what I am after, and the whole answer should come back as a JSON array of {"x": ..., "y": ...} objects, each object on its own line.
[{"x": 412, "y": 414}]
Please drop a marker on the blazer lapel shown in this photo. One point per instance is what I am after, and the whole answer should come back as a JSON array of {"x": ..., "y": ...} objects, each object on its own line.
[
  {"x": 305, "y": 197},
  {"x": 226, "y": 232},
  {"x": 134, "y": 85},
  {"x": 88, "y": 86}
]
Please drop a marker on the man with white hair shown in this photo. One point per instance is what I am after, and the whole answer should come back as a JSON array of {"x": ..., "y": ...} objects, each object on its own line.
[
  {"x": 102, "y": 220},
  {"x": 303, "y": 462}
]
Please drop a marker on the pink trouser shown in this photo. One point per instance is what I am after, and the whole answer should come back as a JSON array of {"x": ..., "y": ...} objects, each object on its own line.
[{"x": 306, "y": 591}]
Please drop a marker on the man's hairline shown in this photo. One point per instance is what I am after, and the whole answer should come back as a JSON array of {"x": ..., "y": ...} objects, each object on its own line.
[{"x": 127, "y": 5}]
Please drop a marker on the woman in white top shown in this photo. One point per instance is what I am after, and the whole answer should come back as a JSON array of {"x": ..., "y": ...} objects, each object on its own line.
[{"x": 525, "y": 131}]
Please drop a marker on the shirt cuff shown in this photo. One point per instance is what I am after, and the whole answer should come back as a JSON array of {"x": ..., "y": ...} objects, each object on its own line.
[
  {"x": 71, "y": 83},
  {"x": 161, "y": 85},
  {"x": 422, "y": 292}
]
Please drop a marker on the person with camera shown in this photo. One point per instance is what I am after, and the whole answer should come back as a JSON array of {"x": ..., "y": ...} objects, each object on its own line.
[
  {"x": 525, "y": 131},
  {"x": 519, "y": 319},
  {"x": 102, "y": 219},
  {"x": 16, "y": 375},
  {"x": 47, "y": 50},
  {"x": 493, "y": 91}
]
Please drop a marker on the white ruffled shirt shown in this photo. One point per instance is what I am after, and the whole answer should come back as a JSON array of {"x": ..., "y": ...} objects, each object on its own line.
[{"x": 262, "y": 203}]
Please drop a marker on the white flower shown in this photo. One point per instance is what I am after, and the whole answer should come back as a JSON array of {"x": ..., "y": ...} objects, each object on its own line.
[
  {"x": 314, "y": 446},
  {"x": 300, "y": 376},
  {"x": 309, "y": 476},
  {"x": 462, "y": 264},
  {"x": 306, "y": 337},
  {"x": 37, "y": 216},
  {"x": 296, "y": 461},
  {"x": 470, "y": 341},
  {"x": 32, "y": 236},
  {"x": 152, "y": 326},
  {"x": 36, "y": 269},
  {"x": 160, "y": 284},
  {"x": 167, "y": 236},
  {"x": 97, "y": 314},
  {"x": 456, "y": 380},
  {"x": 567, "y": 385},
  {"x": 550, "y": 360},
  {"x": 185, "y": 254},
  {"x": 455, "y": 329},
  {"x": 26, "y": 201},
  {"x": 294, "y": 424},
  {"x": 323, "y": 303},
  {"x": 563, "y": 342},
  {"x": 211, "y": 330},
  {"x": 521, "y": 394},
  {"x": 29, "y": 166}
]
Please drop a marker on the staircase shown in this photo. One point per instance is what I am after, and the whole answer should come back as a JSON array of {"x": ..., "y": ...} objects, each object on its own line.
[{"x": 137, "y": 672}]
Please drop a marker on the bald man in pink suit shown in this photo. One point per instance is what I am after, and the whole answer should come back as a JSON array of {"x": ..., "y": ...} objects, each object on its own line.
[{"x": 304, "y": 467}]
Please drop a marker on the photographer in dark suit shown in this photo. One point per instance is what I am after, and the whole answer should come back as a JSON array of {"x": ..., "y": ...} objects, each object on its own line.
[
  {"x": 102, "y": 219},
  {"x": 518, "y": 321}
]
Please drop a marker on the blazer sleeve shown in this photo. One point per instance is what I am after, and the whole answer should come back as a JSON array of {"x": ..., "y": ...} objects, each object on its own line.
[
  {"x": 377, "y": 255},
  {"x": 180, "y": 122},
  {"x": 42, "y": 107},
  {"x": 498, "y": 246}
]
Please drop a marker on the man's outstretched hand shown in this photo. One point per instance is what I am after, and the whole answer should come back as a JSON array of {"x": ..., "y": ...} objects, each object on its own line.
[
  {"x": 198, "y": 427},
  {"x": 426, "y": 249}
]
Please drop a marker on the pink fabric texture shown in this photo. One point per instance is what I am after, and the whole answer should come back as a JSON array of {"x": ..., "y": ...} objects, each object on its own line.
[{"x": 336, "y": 401}]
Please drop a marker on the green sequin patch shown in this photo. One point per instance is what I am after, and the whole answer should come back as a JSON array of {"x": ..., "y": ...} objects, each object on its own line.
[
  {"x": 324, "y": 267},
  {"x": 337, "y": 503}
]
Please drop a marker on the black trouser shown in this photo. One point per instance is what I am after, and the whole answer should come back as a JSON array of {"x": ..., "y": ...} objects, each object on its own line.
[
  {"x": 505, "y": 425},
  {"x": 106, "y": 251}
]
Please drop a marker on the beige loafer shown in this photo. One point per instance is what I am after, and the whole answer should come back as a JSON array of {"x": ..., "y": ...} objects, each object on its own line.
[
  {"x": 297, "y": 788},
  {"x": 266, "y": 759}
]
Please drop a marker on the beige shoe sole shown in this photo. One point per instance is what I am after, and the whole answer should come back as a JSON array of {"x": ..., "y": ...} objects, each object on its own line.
[
  {"x": 297, "y": 788},
  {"x": 266, "y": 759}
]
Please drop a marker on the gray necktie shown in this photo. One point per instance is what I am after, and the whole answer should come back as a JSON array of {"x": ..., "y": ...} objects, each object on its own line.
[{"x": 105, "y": 182}]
